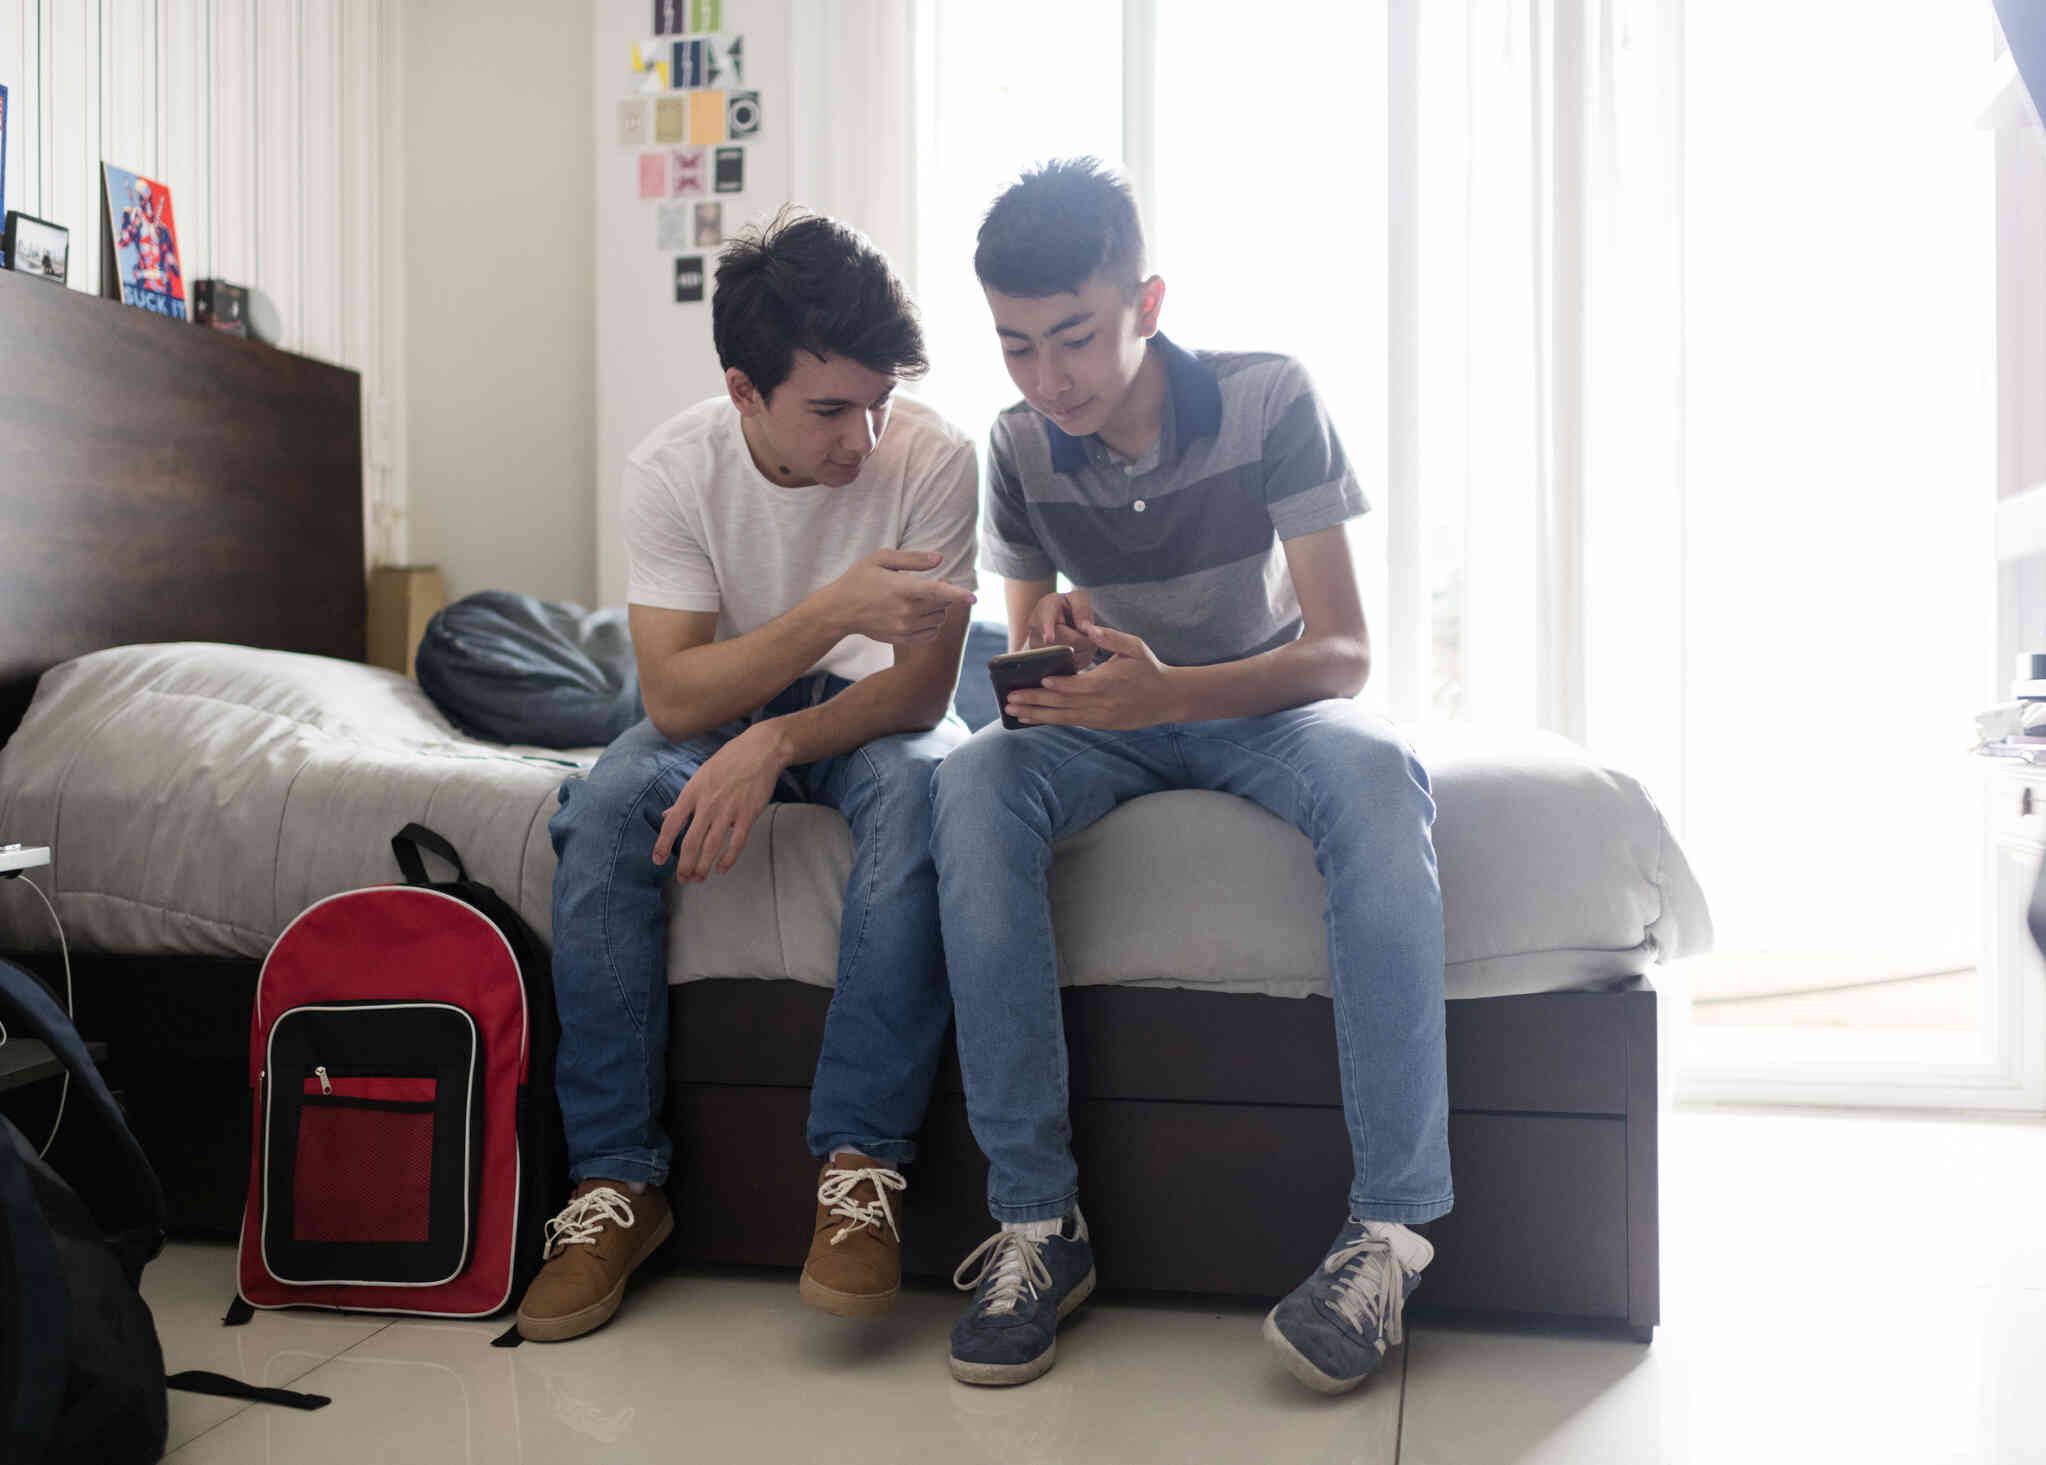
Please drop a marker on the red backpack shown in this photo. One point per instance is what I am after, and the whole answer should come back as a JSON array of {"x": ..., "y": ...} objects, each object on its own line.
[{"x": 406, "y": 1139}]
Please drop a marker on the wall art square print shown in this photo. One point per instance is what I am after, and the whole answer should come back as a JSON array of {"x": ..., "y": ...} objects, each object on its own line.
[
  {"x": 671, "y": 119},
  {"x": 685, "y": 172},
  {"x": 671, "y": 226},
  {"x": 742, "y": 114},
  {"x": 632, "y": 121},
  {"x": 710, "y": 225},
  {"x": 142, "y": 267},
  {"x": 36, "y": 247},
  {"x": 731, "y": 171},
  {"x": 706, "y": 116},
  {"x": 653, "y": 175},
  {"x": 688, "y": 278}
]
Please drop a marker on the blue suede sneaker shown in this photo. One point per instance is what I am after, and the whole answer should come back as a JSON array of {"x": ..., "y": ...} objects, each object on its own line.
[
  {"x": 1021, "y": 1293},
  {"x": 1333, "y": 1329}
]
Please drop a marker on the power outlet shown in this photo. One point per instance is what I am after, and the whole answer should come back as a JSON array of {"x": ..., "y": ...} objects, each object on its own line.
[{"x": 14, "y": 858}]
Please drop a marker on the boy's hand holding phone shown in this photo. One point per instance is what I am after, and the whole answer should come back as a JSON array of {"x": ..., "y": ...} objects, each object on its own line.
[{"x": 1131, "y": 689}]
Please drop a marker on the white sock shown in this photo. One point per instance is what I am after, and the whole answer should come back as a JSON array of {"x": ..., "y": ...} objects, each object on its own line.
[
  {"x": 1036, "y": 1230},
  {"x": 1046, "y": 1230}
]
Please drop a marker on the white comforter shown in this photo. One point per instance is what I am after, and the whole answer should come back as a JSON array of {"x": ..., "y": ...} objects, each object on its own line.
[{"x": 199, "y": 796}]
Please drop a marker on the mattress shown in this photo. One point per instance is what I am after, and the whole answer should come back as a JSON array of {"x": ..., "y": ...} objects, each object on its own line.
[{"x": 198, "y": 796}]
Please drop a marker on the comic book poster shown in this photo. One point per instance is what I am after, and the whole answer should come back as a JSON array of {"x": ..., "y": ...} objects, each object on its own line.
[{"x": 141, "y": 244}]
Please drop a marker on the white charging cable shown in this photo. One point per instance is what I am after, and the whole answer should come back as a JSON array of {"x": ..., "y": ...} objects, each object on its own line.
[{"x": 64, "y": 1091}]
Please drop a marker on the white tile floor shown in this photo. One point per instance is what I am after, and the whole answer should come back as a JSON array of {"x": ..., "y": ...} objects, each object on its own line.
[{"x": 1834, "y": 1288}]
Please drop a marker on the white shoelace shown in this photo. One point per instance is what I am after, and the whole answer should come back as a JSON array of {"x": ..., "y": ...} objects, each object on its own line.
[
  {"x": 582, "y": 1218},
  {"x": 1014, "y": 1261},
  {"x": 836, "y": 1192},
  {"x": 1373, "y": 1291}
]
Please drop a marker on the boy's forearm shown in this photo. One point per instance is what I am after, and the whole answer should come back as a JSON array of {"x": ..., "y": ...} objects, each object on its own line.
[
  {"x": 707, "y": 686},
  {"x": 1309, "y": 670},
  {"x": 894, "y": 700}
]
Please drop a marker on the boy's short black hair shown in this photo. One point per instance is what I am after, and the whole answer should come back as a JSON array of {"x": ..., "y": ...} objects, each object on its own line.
[
  {"x": 1058, "y": 226},
  {"x": 805, "y": 282}
]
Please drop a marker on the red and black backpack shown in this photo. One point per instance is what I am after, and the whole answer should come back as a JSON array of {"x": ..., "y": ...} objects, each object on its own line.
[{"x": 401, "y": 1060}]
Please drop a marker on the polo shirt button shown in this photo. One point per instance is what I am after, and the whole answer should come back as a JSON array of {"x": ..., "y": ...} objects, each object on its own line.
[{"x": 1138, "y": 506}]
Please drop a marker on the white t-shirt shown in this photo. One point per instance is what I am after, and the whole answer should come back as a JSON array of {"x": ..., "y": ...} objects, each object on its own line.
[{"x": 705, "y": 529}]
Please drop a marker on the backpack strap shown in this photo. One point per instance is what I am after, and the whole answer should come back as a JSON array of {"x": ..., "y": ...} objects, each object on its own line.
[
  {"x": 407, "y": 843},
  {"x": 201, "y": 1381},
  {"x": 137, "y": 1216}
]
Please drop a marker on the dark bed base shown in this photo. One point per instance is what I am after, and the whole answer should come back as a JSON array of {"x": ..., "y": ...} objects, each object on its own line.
[{"x": 1211, "y": 1141}]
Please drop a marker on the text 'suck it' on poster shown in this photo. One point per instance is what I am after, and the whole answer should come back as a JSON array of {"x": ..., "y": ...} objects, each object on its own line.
[{"x": 142, "y": 243}]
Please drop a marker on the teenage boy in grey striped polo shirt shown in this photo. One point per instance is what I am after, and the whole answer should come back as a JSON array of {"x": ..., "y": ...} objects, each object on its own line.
[{"x": 1195, "y": 502}]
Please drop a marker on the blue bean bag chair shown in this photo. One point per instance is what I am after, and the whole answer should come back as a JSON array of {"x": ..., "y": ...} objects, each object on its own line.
[
  {"x": 513, "y": 669},
  {"x": 510, "y": 668}
]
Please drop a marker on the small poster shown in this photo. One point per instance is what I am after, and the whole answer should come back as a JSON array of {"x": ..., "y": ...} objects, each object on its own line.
[
  {"x": 706, "y": 15},
  {"x": 671, "y": 17},
  {"x": 632, "y": 122},
  {"x": 688, "y": 65},
  {"x": 141, "y": 265},
  {"x": 671, "y": 119},
  {"x": 685, "y": 172},
  {"x": 671, "y": 226},
  {"x": 706, "y": 116},
  {"x": 742, "y": 114},
  {"x": 731, "y": 170},
  {"x": 724, "y": 61},
  {"x": 688, "y": 278},
  {"x": 650, "y": 64},
  {"x": 653, "y": 175},
  {"x": 710, "y": 225}
]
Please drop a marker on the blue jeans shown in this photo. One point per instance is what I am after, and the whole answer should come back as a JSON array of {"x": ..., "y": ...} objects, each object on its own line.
[
  {"x": 886, "y": 1026},
  {"x": 1346, "y": 781}
]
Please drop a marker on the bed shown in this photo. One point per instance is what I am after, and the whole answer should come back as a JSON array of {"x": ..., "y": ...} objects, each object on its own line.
[{"x": 207, "y": 756}]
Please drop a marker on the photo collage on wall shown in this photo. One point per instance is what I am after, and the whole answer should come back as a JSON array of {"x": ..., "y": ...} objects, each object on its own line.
[{"x": 687, "y": 121}]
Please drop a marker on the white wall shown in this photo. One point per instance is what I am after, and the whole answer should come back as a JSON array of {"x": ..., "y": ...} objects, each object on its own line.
[
  {"x": 654, "y": 357},
  {"x": 834, "y": 84},
  {"x": 267, "y": 123},
  {"x": 497, "y": 200}
]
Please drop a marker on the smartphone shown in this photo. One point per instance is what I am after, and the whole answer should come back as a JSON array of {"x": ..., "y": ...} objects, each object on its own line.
[{"x": 1013, "y": 670}]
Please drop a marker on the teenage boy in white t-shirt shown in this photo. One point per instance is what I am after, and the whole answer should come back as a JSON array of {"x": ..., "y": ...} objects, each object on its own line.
[{"x": 800, "y": 560}]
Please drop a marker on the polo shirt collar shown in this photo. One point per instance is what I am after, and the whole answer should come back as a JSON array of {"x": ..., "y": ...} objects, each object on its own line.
[{"x": 1196, "y": 408}]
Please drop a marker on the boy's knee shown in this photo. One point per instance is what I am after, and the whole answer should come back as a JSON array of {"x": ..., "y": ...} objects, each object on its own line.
[{"x": 596, "y": 808}]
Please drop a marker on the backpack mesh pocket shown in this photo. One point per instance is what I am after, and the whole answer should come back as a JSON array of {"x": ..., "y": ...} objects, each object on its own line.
[
  {"x": 371, "y": 1144},
  {"x": 364, "y": 1171}
]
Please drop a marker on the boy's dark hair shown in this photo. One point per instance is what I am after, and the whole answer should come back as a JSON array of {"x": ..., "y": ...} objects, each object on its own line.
[
  {"x": 1058, "y": 226},
  {"x": 805, "y": 282}
]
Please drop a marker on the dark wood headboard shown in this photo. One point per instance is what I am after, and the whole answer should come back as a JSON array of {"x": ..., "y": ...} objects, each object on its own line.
[{"x": 162, "y": 482}]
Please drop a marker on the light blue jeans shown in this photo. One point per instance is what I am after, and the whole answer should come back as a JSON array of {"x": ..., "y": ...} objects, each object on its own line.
[
  {"x": 1345, "y": 780},
  {"x": 886, "y": 1027}
]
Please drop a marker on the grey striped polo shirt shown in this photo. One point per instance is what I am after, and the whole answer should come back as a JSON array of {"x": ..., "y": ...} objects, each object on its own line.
[{"x": 1182, "y": 546}]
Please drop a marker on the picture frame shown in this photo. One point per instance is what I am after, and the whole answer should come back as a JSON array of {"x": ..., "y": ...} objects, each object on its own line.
[{"x": 37, "y": 247}]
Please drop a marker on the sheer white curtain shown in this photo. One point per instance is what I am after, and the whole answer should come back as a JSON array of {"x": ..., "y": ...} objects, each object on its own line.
[
  {"x": 1660, "y": 333},
  {"x": 1549, "y": 365},
  {"x": 854, "y": 116}
]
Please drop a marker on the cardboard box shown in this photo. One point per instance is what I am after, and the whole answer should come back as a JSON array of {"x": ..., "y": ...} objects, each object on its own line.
[{"x": 402, "y": 599}]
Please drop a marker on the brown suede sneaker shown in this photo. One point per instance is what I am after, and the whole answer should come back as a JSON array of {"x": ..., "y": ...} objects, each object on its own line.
[
  {"x": 598, "y": 1240},
  {"x": 855, "y": 1265}
]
